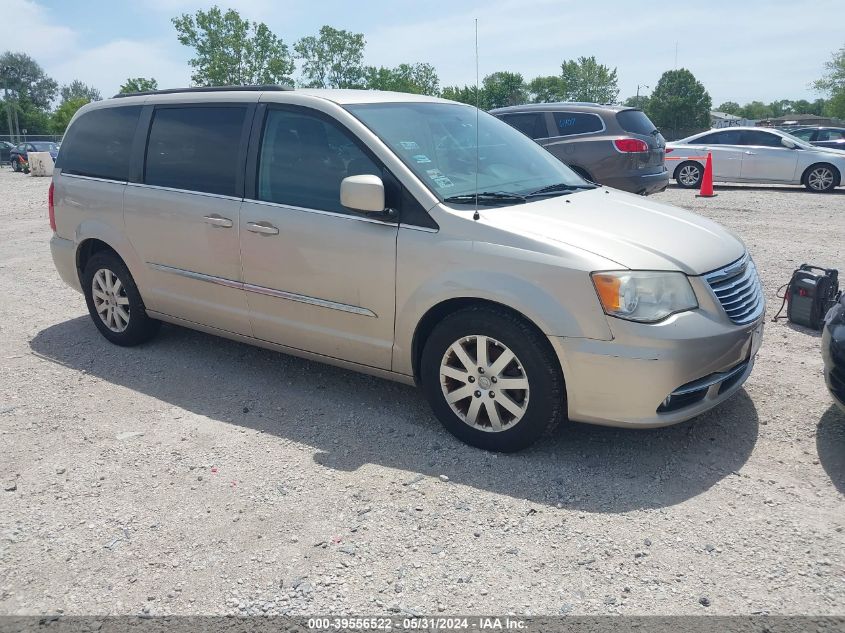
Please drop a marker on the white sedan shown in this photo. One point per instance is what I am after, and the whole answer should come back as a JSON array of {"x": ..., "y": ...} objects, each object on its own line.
[{"x": 753, "y": 154}]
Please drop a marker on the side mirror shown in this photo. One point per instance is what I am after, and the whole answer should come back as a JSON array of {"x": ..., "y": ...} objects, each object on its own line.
[
  {"x": 787, "y": 143},
  {"x": 363, "y": 193}
]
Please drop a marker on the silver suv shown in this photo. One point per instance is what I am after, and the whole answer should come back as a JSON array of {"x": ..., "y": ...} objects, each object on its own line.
[
  {"x": 616, "y": 146},
  {"x": 407, "y": 237}
]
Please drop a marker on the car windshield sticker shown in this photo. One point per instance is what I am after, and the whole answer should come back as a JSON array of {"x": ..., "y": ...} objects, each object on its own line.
[
  {"x": 421, "y": 158},
  {"x": 409, "y": 145},
  {"x": 439, "y": 179}
]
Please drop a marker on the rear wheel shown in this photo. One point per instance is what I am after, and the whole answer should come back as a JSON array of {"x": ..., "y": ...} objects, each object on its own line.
[
  {"x": 689, "y": 175},
  {"x": 821, "y": 178},
  {"x": 114, "y": 302},
  {"x": 492, "y": 379}
]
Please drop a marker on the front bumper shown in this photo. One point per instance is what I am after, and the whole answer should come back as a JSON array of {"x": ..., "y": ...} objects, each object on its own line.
[{"x": 697, "y": 357}]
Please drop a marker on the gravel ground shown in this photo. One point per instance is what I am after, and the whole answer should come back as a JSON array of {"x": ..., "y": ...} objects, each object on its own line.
[{"x": 198, "y": 475}]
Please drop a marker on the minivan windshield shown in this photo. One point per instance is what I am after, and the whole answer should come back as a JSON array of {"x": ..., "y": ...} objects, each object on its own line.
[
  {"x": 437, "y": 141},
  {"x": 42, "y": 146}
]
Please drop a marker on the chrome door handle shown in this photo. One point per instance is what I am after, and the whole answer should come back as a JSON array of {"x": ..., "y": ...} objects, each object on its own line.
[
  {"x": 263, "y": 229},
  {"x": 216, "y": 220}
]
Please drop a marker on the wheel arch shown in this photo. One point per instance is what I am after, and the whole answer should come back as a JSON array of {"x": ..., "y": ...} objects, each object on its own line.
[
  {"x": 682, "y": 163},
  {"x": 836, "y": 172},
  {"x": 441, "y": 310}
]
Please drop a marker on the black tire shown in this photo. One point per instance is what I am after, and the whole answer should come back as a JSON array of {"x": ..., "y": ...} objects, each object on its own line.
[
  {"x": 544, "y": 401},
  {"x": 140, "y": 328},
  {"x": 821, "y": 178},
  {"x": 694, "y": 168}
]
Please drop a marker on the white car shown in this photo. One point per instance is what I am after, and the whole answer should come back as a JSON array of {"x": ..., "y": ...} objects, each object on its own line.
[{"x": 753, "y": 154}]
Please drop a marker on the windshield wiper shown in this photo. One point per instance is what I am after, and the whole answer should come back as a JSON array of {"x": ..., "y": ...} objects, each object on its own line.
[
  {"x": 557, "y": 188},
  {"x": 485, "y": 197}
]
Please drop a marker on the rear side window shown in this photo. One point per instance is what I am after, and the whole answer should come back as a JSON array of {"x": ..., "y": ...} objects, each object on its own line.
[
  {"x": 571, "y": 123},
  {"x": 303, "y": 159},
  {"x": 532, "y": 124},
  {"x": 195, "y": 148},
  {"x": 829, "y": 135},
  {"x": 635, "y": 122},
  {"x": 99, "y": 143},
  {"x": 728, "y": 137}
]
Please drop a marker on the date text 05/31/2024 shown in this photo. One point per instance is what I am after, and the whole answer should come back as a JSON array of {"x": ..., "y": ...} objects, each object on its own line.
[{"x": 479, "y": 623}]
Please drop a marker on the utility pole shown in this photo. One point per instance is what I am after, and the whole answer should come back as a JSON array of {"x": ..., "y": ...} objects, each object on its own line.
[{"x": 638, "y": 93}]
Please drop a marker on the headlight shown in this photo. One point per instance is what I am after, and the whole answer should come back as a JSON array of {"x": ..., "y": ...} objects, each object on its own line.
[{"x": 643, "y": 296}]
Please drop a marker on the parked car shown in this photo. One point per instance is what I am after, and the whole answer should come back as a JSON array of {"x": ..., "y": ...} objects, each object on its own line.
[
  {"x": 346, "y": 226},
  {"x": 831, "y": 137},
  {"x": 21, "y": 151},
  {"x": 612, "y": 145},
  {"x": 5, "y": 148},
  {"x": 833, "y": 352},
  {"x": 748, "y": 154}
]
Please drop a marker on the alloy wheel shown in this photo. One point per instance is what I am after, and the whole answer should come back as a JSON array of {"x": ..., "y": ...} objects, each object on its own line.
[
  {"x": 484, "y": 383},
  {"x": 689, "y": 175},
  {"x": 820, "y": 179},
  {"x": 110, "y": 300}
]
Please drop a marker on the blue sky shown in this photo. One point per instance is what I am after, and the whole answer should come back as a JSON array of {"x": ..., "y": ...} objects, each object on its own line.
[{"x": 753, "y": 49}]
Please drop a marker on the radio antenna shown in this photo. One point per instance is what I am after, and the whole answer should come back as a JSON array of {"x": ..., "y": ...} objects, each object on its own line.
[{"x": 476, "y": 216}]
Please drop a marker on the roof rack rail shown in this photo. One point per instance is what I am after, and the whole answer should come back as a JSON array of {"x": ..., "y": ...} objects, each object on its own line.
[{"x": 168, "y": 91}]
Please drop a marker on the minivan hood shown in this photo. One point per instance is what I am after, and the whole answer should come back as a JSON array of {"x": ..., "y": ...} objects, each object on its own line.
[{"x": 631, "y": 230}]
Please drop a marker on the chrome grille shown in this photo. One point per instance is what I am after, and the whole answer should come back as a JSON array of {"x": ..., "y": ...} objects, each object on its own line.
[{"x": 738, "y": 289}]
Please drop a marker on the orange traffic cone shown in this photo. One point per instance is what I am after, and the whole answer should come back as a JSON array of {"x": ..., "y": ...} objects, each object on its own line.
[{"x": 707, "y": 179}]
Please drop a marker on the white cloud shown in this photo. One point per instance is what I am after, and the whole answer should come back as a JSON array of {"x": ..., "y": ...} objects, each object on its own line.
[{"x": 26, "y": 26}]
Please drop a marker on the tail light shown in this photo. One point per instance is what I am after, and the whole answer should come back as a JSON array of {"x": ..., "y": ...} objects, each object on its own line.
[
  {"x": 51, "y": 208},
  {"x": 630, "y": 145}
]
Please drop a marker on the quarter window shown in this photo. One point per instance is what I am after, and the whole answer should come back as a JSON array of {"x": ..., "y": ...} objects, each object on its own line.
[
  {"x": 532, "y": 124},
  {"x": 195, "y": 148},
  {"x": 99, "y": 143},
  {"x": 304, "y": 158},
  {"x": 571, "y": 123}
]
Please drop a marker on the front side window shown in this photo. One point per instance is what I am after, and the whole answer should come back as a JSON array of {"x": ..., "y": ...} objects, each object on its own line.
[
  {"x": 99, "y": 143},
  {"x": 532, "y": 124},
  {"x": 572, "y": 123},
  {"x": 303, "y": 159},
  {"x": 728, "y": 137},
  {"x": 195, "y": 148},
  {"x": 761, "y": 139},
  {"x": 437, "y": 141}
]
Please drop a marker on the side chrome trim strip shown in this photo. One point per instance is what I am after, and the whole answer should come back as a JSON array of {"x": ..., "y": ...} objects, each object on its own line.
[
  {"x": 344, "y": 216},
  {"x": 64, "y": 174},
  {"x": 262, "y": 290},
  {"x": 205, "y": 194},
  {"x": 323, "y": 303}
]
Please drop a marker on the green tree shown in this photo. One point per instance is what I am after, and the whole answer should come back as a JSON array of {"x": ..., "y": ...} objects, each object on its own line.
[
  {"x": 232, "y": 51},
  {"x": 502, "y": 89},
  {"x": 332, "y": 59},
  {"x": 77, "y": 90},
  {"x": 833, "y": 84},
  {"x": 30, "y": 93},
  {"x": 835, "y": 106},
  {"x": 139, "y": 84},
  {"x": 546, "y": 89},
  {"x": 585, "y": 79},
  {"x": 465, "y": 94},
  {"x": 64, "y": 113},
  {"x": 679, "y": 102},
  {"x": 413, "y": 78},
  {"x": 640, "y": 102},
  {"x": 730, "y": 107},
  {"x": 756, "y": 110}
]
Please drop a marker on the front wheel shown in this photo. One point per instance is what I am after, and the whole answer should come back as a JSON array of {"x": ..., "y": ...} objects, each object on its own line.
[
  {"x": 114, "y": 302},
  {"x": 689, "y": 175},
  {"x": 821, "y": 178},
  {"x": 492, "y": 379}
]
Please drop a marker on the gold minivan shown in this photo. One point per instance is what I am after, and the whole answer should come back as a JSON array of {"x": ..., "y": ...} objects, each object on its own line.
[{"x": 408, "y": 237}]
